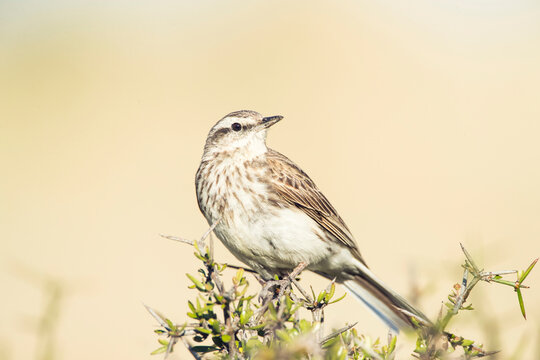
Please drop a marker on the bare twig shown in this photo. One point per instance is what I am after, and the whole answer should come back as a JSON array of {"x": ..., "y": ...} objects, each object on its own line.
[
  {"x": 160, "y": 319},
  {"x": 190, "y": 349},
  {"x": 302, "y": 291},
  {"x": 191, "y": 242},
  {"x": 241, "y": 267},
  {"x": 211, "y": 247},
  {"x": 219, "y": 283},
  {"x": 170, "y": 347},
  {"x": 179, "y": 239},
  {"x": 491, "y": 274},
  {"x": 297, "y": 270},
  {"x": 336, "y": 333},
  {"x": 460, "y": 298},
  {"x": 210, "y": 229}
]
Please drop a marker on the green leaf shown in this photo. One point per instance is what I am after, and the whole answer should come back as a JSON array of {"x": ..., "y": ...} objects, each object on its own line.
[
  {"x": 226, "y": 338},
  {"x": 257, "y": 327},
  {"x": 160, "y": 350},
  {"x": 203, "y": 349},
  {"x": 504, "y": 282},
  {"x": 321, "y": 296},
  {"x": 239, "y": 275},
  {"x": 198, "y": 338},
  {"x": 245, "y": 316},
  {"x": 170, "y": 324},
  {"x": 521, "y": 305},
  {"x": 392, "y": 345},
  {"x": 526, "y": 273},
  {"x": 216, "y": 327},
  {"x": 192, "y": 315},
  {"x": 203, "y": 330},
  {"x": 196, "y": 282},
  {"x": 338, "y": 299},
  {"x": 283, "y": 335},
  {"x": 465, "y": 342},
  {"x": 192, "y": 307},
  {"x": 330, "y": 293}
]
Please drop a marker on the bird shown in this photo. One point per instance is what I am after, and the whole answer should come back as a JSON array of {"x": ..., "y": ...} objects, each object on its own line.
[{"x": 271, "y": 216}]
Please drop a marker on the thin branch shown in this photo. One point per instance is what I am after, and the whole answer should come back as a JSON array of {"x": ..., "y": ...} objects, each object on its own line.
[
  {"x": 158, "y": 317},
  {"x": 179, "y": 239},
  {"x": 190, "y": 349},
  {"x": 219, "y": 283},
  {"x": 302, "y": 291},
  {"x": 497, "y": 273},
  {"x": 241, "y": 267},
  {"x": 170, "y": 347},
  {"x": 469, "y": 259},
  {"x": 191, "y": 242},
  {"x": 337, "y": 332},
  {"x": 297, "y": 270},
  {"x": 460, "y": 298},
  {"x": 210, "y": 229}
]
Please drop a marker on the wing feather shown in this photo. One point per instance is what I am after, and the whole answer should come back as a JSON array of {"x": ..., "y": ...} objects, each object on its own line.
[{"x": 295, "y": 187}]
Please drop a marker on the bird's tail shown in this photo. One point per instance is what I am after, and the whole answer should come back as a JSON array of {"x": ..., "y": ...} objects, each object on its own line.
[{"x": 393, "y": 309}]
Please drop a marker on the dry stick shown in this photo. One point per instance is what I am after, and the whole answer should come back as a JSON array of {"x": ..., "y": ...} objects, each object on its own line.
[
  {"x": 302, "y": 291},
  {"x": 158, "y": 317},
  {"x": 460, "y": 299},
  {"x": 336, "y": 333},
  {"x": 170, "y": 347},
  {"x": 210, "y": 229},
  {"x": 174, "y": 337},
  {"x": 464, "y": 292},
  {"x": 179, "y": 239},
  {"x": 190, "y": 349},
  {"x": 297, "y": 270},
  {"x": 191, "y": 242},
  {"x": 232, "y": 343},
  {"x": 241, "y": 267}
]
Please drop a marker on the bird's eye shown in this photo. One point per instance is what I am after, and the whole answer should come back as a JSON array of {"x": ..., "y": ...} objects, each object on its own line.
[{"x": 236, "y": 127}]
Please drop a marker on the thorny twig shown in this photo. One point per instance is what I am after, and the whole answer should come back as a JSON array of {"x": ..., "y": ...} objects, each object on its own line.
[
  {"x": 302, "y": 291},
  {"x": 190, "y": 349},
  {"x": 191, "y": 242},
  {"x": 434, "y": 337},
  {"x": 472, "y": 274},
  {"x": 267, "y": 296},
  {"x": 336, "y": 333}
]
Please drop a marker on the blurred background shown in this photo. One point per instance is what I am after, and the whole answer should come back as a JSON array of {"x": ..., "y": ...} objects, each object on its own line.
[{"x": 420, "y": 121}]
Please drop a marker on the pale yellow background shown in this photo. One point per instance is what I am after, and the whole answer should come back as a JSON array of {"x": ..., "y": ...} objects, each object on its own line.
[{"x": 420, "y": 120}]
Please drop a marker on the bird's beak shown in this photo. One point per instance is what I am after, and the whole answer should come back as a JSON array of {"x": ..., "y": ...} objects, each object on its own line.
[{"x": 268, "y": 121}]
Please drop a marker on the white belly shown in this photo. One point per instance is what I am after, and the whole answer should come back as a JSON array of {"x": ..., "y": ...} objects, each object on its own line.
[
  {"x": 270, "y": 239},
  {"x": 275, "y": 240}
]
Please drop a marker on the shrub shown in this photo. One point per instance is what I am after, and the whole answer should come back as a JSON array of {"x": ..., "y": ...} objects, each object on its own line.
[{"x": 234, "y": 323}]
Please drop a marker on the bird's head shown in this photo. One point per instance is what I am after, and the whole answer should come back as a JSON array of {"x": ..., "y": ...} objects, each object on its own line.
[{"x": 243, "y": 130}]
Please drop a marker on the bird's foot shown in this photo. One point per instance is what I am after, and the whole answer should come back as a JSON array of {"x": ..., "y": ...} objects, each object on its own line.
[{"x": 272, "y": 288}]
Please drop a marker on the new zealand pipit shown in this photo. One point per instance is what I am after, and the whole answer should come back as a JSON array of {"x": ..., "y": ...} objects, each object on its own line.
[{"x": 272, "y": 216}]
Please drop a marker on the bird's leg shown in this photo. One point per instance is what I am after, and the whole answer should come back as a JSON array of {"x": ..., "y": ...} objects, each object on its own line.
[
  {"x": 273, "y": 288},
  {"x": 270, "y": 290},
  {"x": 277, "y": 286}
]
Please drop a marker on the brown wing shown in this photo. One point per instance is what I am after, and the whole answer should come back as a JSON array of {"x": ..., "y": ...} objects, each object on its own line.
[{"x": 294, "y": 186}]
